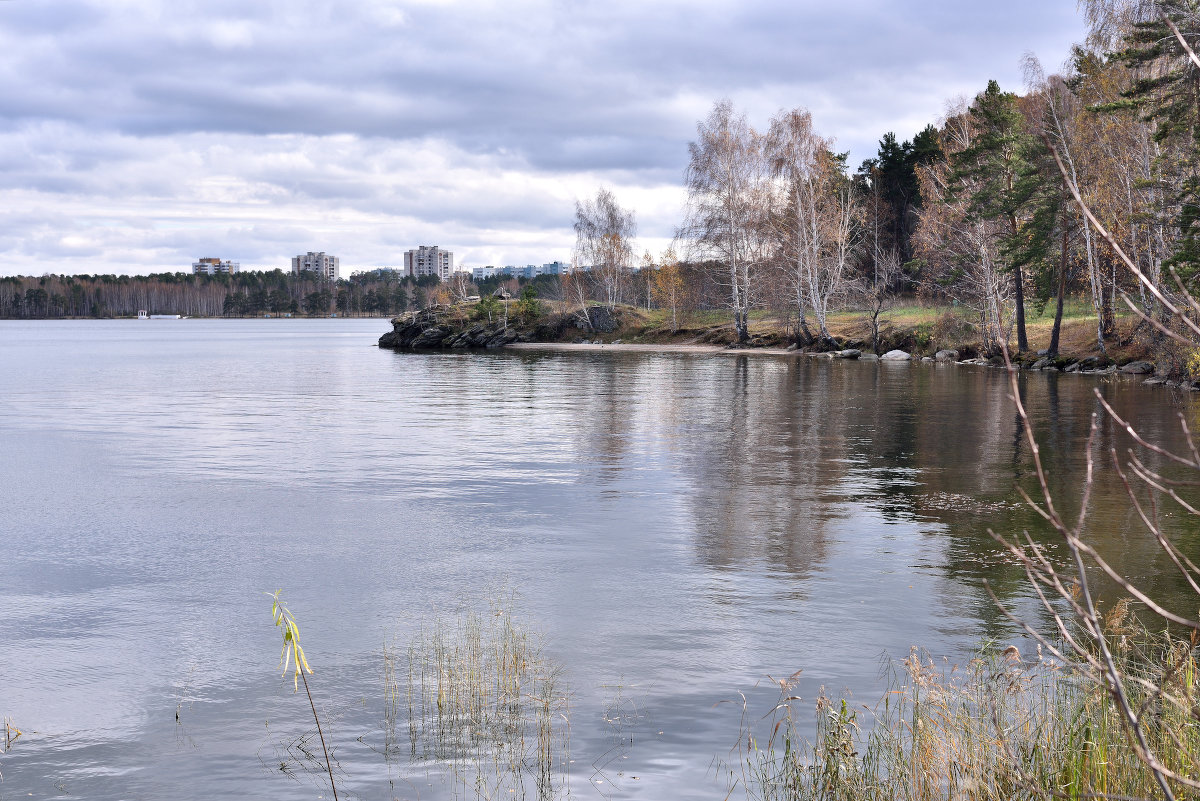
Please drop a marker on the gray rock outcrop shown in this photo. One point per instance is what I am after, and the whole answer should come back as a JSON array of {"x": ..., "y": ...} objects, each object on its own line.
[
  {"x": 427, "y": 329},
  {"x": 599, "y": 319},
  {"x": 896, "y": 356},
  {"x": 1138, "y": 368}
]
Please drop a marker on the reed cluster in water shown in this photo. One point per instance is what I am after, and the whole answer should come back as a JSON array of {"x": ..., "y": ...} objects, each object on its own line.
[
  {"x": 481, "y": 697},
  {"x": 998, "y": 728}
]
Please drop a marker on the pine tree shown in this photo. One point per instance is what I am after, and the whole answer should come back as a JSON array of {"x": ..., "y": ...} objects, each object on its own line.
[{"x": 1000, "y": 157}]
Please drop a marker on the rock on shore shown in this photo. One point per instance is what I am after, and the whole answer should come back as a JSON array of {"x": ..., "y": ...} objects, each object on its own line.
[{"x": 425, "y": 329}]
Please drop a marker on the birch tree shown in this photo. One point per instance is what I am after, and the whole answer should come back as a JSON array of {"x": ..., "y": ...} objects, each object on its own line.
[
  {"x": 604, "y": 235},
  {"x": 818, "y": 217},
  {"x": 727, "y": 187}
]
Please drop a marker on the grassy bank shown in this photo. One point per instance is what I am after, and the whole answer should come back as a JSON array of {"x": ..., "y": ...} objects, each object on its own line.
[{"x": 917, "y": 327}]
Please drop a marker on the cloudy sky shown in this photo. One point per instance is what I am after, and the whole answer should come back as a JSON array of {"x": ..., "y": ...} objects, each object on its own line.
[{"x": 138, "y": 135}]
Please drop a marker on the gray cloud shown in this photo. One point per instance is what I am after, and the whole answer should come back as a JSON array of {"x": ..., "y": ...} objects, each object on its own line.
[{"x": 434, "y": 119}]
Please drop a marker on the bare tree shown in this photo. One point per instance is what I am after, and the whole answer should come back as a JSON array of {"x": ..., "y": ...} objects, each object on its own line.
[
  {"x": 876, "y": 290},
  {"x": 575, "y": 289},
  {"x": 460, "y": 286},
  {"x": 728, "y": 190},
  {"x": 817, "y": 219},
  {"x": 604, "y": 235}
]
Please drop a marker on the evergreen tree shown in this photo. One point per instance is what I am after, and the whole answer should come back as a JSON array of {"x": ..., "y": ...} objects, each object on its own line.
[{"x": 1001, "y": 156}]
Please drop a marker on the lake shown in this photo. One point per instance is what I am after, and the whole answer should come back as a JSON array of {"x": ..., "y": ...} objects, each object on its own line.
[{"x": 677, "y": 527}]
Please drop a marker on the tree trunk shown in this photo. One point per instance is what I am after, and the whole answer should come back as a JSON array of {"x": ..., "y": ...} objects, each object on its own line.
[
  {"x": 1019, "y": 299},
  {"x": 1062, "y": 288}
]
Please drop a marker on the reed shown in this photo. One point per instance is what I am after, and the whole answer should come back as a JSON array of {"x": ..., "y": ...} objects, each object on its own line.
[
  {"x": 482, "y": 698},
  {"x": 998, "y": 728},
  {"x": 11, "y": 733}
]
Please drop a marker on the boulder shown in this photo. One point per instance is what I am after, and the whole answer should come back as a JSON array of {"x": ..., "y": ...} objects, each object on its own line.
[
  {"x": 430, "y": 337},
  {"x": 926, "y": 358},
  {"x": 896, "y": 356},
  {"x": 1138, "y": 368},
  {"x": 792, "y": 347},
  {"x": 1074, "y": 367},
  {"x": 946, "y": 356},
  {"x": 1156, "y": 379},
  {"x": 849, "y": 353},
  {"x": 1041, "y": 363}
]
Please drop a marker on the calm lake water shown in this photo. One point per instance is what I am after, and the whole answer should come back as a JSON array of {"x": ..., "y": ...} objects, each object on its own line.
[{"x": 676, "y": 526}]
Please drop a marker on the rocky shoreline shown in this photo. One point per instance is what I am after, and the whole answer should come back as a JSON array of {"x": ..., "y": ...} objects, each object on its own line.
[
  {"x": 447, "y": 328},
  {"x": 451, "y": 328}
]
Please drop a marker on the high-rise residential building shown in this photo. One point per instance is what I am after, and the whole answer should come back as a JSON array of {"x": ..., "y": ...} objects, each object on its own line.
[
  {"x": 214, "y": 266},
  {"x": 429, "y": 260},
  {"x": 326, "y": 266}
]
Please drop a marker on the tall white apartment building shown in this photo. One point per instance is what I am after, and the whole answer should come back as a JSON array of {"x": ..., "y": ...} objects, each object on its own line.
[
  {"x": 429, "y": 260},
  {"x": 326, "y": 266},
  {"x": 214, "y": 266}
]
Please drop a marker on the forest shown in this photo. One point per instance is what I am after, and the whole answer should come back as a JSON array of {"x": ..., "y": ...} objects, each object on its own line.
[
  {"x": 244, "y": 294},
  {"x": 976, "y": 211}
]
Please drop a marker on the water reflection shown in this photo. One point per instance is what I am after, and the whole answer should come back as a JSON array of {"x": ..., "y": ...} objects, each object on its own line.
[{"x": 677, "y": 526}]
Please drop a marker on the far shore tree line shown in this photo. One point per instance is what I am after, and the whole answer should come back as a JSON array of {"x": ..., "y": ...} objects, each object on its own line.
[{"x": 248, "y": 294}]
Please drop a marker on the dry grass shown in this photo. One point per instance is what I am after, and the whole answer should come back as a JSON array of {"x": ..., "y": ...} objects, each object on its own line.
[{"x": 998, "y": 729}]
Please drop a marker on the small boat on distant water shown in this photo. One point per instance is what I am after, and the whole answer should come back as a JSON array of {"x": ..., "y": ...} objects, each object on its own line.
[{"x": 142, "y": 315}]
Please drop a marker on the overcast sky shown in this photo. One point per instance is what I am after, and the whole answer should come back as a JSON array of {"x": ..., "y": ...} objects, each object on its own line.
[{"x": 139, "y": 135}]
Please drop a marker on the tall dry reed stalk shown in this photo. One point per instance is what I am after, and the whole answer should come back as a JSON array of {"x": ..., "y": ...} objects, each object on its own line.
[
  {"x": 483, "y": 698},
  {"x": 999, "y": 728}
]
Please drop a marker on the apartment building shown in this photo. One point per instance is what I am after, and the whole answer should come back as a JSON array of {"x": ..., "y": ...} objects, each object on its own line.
[
  {"x": 213, "y": 266},
  {"x": 429, "y": 260},
  {"x": 327, "y": 266}
]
